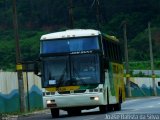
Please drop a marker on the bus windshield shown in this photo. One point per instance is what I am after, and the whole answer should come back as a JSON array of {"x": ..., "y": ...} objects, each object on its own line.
[
  {"x": 72, "y": 70},
  {"x": 69, "y": 45}
]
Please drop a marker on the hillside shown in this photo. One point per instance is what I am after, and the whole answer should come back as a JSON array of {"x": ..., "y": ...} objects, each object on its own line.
[{"x": 37, "y": 17}]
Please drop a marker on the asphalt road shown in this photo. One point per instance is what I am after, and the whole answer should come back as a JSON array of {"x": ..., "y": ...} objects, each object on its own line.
[{"x": 140, "y": 108}]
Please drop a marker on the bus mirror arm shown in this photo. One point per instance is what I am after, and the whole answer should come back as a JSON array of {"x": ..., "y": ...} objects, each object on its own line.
[
  {"x": 36, "y": 68},
  {"x": 40, "y": 75}
]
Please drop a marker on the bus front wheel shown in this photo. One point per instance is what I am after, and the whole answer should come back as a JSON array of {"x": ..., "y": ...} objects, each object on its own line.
[
  {"x": 117, "y": 107},
  {"x": 73, "y": 112},
  {"x": 103, "y": 108},
  {"x": 55, "y": 112}
]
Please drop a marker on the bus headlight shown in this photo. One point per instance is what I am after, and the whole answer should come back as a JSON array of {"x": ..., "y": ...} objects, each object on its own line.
[
  {"x": 96, "y": 98},
  {"x": 49, "y": 102}
]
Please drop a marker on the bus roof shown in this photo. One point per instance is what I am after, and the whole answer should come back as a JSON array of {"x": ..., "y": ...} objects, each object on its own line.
[{"x": 71, "y": 33}]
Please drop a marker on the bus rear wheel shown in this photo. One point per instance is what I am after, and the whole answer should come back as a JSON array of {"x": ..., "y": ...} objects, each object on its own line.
[{"x": 55, "y": 112}]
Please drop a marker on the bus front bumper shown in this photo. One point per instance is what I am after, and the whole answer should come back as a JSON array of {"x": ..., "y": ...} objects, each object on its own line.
[{"x": 75, "y": 100}]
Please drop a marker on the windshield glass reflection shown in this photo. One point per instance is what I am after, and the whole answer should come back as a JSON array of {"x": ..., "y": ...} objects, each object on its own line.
[{"x": 80, "y": 70}]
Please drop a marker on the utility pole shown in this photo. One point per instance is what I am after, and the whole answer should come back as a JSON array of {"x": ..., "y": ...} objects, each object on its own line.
[
  {"x": 18, "y": 60},
  {"x": 126, "y": 60},
  {"x": 151, "y": 59},
  {"x": 71, "y": 20},
  {"x": 97, "y": 14}
]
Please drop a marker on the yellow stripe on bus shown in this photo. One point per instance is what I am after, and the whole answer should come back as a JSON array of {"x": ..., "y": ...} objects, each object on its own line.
[
  {"x": 61, "y": 89},
  {"x": 53, "y": 89}
]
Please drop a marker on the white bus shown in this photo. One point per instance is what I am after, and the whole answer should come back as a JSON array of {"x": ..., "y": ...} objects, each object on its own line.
[{"x": 83, "y": 70}]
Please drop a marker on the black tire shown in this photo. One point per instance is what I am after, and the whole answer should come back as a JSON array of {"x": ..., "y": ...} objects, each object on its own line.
[
  {"x": 74, "y": 112},
  {"x": 117, "y": 107},
  {"x": 110, "y": 108},
  {"x": 104, "y": 108},
  {"x": 55, "y": 112}
]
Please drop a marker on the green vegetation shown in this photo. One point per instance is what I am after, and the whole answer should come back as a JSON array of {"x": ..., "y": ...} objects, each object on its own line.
[
  {"x": 37, "y": 17},
  {"x": 29, "y": 44},
  {"x": 144, "y": 65}
]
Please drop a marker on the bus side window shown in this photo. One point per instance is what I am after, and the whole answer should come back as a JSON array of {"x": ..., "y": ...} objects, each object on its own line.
[
  {"x": 109, "y": 51},
  {"x": 105, "y": 43},
  {"x": 120, "y": 53},
  {"x": 106, "y": 49},
  {"x": 112, "y": 52},
  {"x": 118, "y": 58},
  {"x": 115, "y": 51}
]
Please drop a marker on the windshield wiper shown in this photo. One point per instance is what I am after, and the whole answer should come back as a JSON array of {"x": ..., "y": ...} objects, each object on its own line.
[
  {"x": 61, "y": 79},
  {"x": 78, "y": 76}
]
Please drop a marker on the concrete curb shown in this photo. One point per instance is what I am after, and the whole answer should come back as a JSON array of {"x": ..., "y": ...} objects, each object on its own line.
[{"x": 15, "y": 117}]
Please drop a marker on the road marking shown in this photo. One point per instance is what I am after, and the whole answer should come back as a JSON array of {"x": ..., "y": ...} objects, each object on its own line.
[
  {"x": 130, "y": 101},
  {"x": 150, "y": 106},
  {"x": 140, "y": 108},
  {"x": 89, "y": 118},
  {"x": 136, "y": 109}
]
